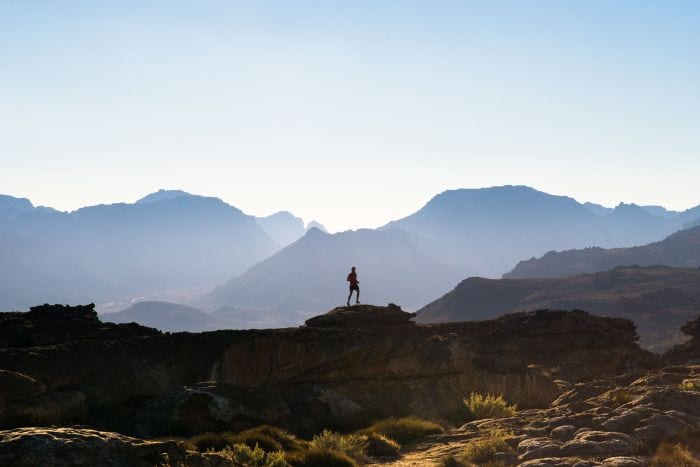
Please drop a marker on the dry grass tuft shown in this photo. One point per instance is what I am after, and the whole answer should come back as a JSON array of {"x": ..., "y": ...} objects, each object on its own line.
[
  {"x": 403, "y": 430},
  {"x": 488, "y": 406}
]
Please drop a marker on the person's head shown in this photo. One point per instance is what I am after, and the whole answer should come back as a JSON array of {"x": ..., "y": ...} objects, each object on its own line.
[{"x": 353, "y": 269}]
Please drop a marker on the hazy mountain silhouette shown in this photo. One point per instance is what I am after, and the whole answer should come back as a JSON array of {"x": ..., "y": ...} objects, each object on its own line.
[
  {"x": 681, "y": 249},
  {"x": 309, "y": 275},
  {"x": 162, "y": 195},
  {"x": 486, "y": 231},
  {"x": 283, "y": 227},
  {"x": 659, "y": 299},
  {"x": 173, "y": 317},
  {"x": 317, "y": 225},
  {"x": 167, "y": 239},
  {"x": 32, "y": 274},
  {"x": 16, "y": 204},
  {"x": 164, "y": 316}
]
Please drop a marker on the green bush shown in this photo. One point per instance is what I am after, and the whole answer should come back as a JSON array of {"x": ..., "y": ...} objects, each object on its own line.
[
  {"x": 483, "y": 450},
  {"x": 316, "y": 457},
  {"x": 354, "y": 446},
  {"x": 204, "y": 442},
  {"x": 380, "y": 445},
  {"x": 489, "y": 406},
  {"x": 253, "y": 457},
  {"x": 403, "y": 430}
]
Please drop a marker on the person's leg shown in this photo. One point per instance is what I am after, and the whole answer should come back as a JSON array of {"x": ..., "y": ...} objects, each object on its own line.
[
  {"x": 357, "y": 298},
  {"x": 349, "y": 296}
]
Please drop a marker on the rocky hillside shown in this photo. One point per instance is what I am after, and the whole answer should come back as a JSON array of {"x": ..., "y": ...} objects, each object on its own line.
[
  {"x": 682, "y": 249},
  {"x": 612, "y": 423},
  {"x": 658, "y": 299},
  {"x": 76, "y": 391}
]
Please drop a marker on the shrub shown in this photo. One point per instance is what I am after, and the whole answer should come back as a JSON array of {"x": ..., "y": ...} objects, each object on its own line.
[
  {"x": 488, "y": 406},
  {"x": 288, "y": 441},
  {"x": 254, "y": 439},
  {"x": 403, "y": 430},
  {"x": 212, "y": 441},
  {"x": 353, "y": 446},
  {"x": 483, "y": 450},
  {"x": 676, "y": 455},
  {"x": 316, "y": 457},
  {"x": 620, "y": 396},
  {"x": 253, "y": 457},
  {"x": 380, "y": 445}
]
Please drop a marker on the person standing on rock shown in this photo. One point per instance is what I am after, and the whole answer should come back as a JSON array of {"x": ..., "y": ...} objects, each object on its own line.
[{"x": 354, "y": 285}]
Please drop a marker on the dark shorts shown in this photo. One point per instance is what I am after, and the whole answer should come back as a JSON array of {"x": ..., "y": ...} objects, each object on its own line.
[{"x": 354, "y": 287}]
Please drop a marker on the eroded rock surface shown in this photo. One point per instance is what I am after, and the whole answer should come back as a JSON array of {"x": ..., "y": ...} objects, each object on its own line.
[
  {"x": 593, "y": 424},
  {"x": 31, "y": 447}
]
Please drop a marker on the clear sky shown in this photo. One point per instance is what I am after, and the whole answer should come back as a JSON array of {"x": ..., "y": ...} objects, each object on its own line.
[{"x": 350, "y": 112}]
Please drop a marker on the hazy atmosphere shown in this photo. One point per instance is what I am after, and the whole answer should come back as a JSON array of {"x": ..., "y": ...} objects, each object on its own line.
[
  {"x": 304, "y": 233},
  {"x": 335, "y": 110}
]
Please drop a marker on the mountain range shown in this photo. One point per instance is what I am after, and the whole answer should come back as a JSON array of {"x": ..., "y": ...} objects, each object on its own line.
[
  {"x": 658, "y": 299},
  {"x": 201, "y": 252},
  {"x": 165, "y": 240},
  {"x": 680, "y": 249},
  {"x": 486, "y": 231}
]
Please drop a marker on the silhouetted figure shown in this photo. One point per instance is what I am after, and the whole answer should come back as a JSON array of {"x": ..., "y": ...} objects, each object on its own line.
[{"x": 354, "y": 285}]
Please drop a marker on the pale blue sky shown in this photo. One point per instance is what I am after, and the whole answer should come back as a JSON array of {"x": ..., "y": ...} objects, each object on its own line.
[{"x": 353, "y": 113}]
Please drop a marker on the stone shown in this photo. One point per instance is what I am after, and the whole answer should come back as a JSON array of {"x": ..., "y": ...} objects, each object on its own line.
[
  {"x": 563, "y": 432},
  {"x": 78, "y": 446}
]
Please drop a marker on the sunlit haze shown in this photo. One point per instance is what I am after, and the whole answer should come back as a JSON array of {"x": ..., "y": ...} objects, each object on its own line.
[{"x": 351, "y": 113}]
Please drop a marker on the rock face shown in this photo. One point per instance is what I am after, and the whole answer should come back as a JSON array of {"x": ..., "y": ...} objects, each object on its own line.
[
  {"x": 55, "y": 324},
  {"x": 29, "y": 447},
  {"x": 340, "y": 370}
]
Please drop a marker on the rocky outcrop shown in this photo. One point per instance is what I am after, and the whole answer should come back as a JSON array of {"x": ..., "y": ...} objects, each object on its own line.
[
  {"x": 612, "y": 422},
  {"x": 361, "y": 316},
  {"x": 56, "y": 324},
  {"x": 338, "y": 371},
  {"x": 689, "y": 350},
  {"x": 30, "y": 447}
]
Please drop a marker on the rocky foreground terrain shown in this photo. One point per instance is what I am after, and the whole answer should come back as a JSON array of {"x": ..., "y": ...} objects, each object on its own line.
[{"x": 75, "y": 391}]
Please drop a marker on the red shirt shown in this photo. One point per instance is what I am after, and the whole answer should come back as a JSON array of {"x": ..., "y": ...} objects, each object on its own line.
[{"x": 352, "y": 278}]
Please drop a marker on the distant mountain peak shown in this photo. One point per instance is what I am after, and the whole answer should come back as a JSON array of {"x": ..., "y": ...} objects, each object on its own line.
[
  {"x": 18, "y": 204},
  {"x": 316, "y": 225},
  {"x": 162, "y": 195}
]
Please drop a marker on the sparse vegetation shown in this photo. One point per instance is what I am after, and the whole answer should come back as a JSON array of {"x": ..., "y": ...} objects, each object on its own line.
[
  {"x": 483, "y": 450},
  {"x": 380, "y": 445},
  {"x": 253, "y": 457},
  {"x": 620, "y": 396},
  {"x": 403, "y": 430},
  {"x": 316, "y": 457},
  {"x": 677, "y": 455},
  {"x": 353, "y": 445},
  {"x": 209, "y": 441},
  {"x": 488, "y": 406}
]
